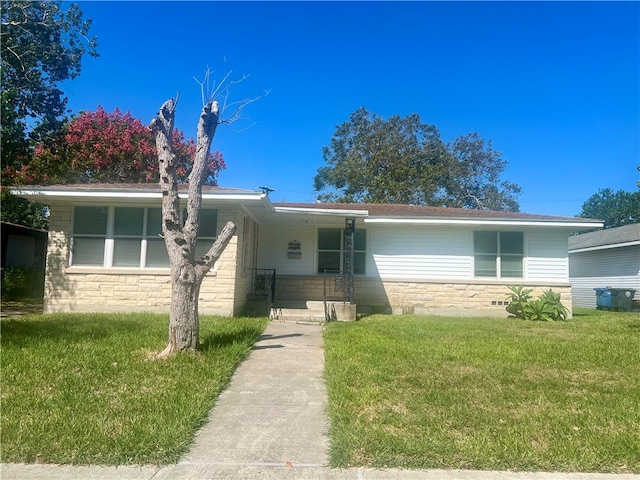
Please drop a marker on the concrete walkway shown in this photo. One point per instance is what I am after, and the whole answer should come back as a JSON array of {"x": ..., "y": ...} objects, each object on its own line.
[
  {"x": 274, "y": 411},
  {"x": 270, "y": 423}
]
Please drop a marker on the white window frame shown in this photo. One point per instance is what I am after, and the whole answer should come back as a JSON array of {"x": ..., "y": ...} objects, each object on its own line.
[
  {"x": 499, "y": 255},
  {"x": 110, "y": 238},
  {"x": 342, "y": 250}
]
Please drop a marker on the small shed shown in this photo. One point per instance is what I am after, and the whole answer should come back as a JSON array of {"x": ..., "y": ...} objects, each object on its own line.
[
  {"x": 23, "y": 246},
  {"x": 605, "y": 258}
]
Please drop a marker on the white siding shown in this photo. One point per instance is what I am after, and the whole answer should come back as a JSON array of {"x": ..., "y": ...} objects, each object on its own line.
[
  {"x": 414, "y": 252},
  {"x": 420, "y": 252},
  {"x": 546, "y": 255},
  {"x": 613, "y": 262},
  {"x": 272, "y": 249},
  {"x": 615, "y": 267},
  {"x": 584, "y": 295}
]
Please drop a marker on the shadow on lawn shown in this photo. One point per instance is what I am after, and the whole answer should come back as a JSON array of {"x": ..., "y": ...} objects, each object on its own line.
[
  {"x": 216, "y": 340},
  {"x": 24, "y": 331}
]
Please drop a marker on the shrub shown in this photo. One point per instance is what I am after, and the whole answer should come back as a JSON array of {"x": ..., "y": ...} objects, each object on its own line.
[
  {"x": 552, "y": 299},
  {"x": 20, "y": 282},
  {"x": 547, "y": 307},
  {"x": 518, "y": 298}
]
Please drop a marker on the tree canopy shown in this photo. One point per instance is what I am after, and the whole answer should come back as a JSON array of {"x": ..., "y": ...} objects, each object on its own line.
[
  {"x": 108, "y": 148},
  {"x": 615, "y": 208},
  {"x": 22, "y": 212},
  {"x": 41, "y": 46},
  {"x": 402, "y": 160}
]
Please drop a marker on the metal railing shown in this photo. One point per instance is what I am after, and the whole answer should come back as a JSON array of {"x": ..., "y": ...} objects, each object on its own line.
[
  {"x": 263, "y": 282},
  {"x": 334, "y": 288}
]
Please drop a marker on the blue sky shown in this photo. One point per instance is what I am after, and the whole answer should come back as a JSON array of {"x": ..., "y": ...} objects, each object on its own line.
[{"x": 555, "y": 86}]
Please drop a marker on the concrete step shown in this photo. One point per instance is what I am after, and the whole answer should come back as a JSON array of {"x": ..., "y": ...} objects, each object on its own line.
[
  {"x": 299, "y": 311},
  {"x": 311, "y": 311}
]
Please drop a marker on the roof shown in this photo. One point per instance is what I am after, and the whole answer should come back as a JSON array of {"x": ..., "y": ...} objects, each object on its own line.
[
  {"x": 125, "y": 192},
  {"x": 418, "y": 211},
  {"x": 609, "y": 238},
  {"x": 124, "y": 187},
  {"x": 20, "y": 228},
  {"x": 263, "y": 211}
]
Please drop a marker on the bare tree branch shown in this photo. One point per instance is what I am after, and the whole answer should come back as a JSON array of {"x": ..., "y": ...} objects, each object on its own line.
[{"x": 220, "y": 92}]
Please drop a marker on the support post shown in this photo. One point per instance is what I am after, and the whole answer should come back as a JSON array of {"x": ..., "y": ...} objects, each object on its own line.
[{"x": 347, "y": 270}]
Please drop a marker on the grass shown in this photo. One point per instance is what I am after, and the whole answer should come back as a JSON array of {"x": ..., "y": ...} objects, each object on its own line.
[
  {"x": 80, "y": 388},
  {"x": 487, "y": 394}
]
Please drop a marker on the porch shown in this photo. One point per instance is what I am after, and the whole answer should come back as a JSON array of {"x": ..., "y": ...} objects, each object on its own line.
[{"x": 301, "y": 298}]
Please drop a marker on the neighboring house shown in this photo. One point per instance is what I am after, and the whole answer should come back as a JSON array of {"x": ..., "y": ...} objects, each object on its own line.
[
  {"x": 105, "y": 252},
  {"x": 605, "y": 258}
]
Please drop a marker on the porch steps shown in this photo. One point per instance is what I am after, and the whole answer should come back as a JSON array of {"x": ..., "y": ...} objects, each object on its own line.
[{"x": 311, "y": 312}]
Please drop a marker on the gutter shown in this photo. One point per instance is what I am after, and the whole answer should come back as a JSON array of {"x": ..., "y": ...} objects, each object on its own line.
[
  {"x": 605, "y": 247},
  {"x": 485, "y": 222}
]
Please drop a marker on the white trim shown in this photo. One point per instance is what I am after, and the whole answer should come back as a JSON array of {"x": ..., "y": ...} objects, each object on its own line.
[
  {"x": 133, "y": 194},
  {"x": 501, "y": 222},
  {"x": 323, "y": 211},
  {"x": 605, "y": 247}
]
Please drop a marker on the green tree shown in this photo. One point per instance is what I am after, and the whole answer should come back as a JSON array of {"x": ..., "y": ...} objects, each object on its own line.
[
  {"x": 615, "y": 208},
  {"x": 402, "y": 160},
  {"x": 23, "y": 212},
  {"x": 372, "y": 160},
  {"x": 41, "y": 46},
  {"x": 473, "y": 179}
]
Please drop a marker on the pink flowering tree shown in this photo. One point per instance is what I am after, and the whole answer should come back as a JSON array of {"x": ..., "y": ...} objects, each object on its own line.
[{"x": 102, "y": 147}]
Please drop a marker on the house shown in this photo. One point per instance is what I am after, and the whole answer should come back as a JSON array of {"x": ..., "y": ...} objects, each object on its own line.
[
  {"x": 105, "y": 253},
  {"x": 605, "y": 258}
]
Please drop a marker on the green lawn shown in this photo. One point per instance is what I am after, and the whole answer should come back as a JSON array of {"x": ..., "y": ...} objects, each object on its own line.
[
  {"x": 80, "y": 388},
  {"x": 426, "y": 392}
]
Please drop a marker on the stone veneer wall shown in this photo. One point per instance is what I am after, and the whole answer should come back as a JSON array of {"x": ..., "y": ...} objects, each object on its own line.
[
  {"x": 88, "y": 289},
  {"x": 472, "y": 298}
]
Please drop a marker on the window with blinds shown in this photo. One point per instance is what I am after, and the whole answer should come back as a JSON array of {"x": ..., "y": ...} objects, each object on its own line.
[
  {"x": 89, "y": 235},
  {"x": 128, "y": 237}
]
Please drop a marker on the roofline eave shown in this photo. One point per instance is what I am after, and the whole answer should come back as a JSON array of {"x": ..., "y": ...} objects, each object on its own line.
[
  {"x": 322, "y": 211},
  {"x": 605, "y": 247},
  {"x": 483, "y": 222},
  {"x": 132, "y": 194}
]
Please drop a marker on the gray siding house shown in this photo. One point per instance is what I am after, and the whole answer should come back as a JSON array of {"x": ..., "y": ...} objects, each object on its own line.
[
  {"x": 605, "y": 258},
  {"x": 105, "y": 253}
]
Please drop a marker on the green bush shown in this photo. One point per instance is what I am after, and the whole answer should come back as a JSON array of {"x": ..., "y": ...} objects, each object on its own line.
[
  {"x": 20, "y": 282},
  {"x": 547, "y": 307},
  {"x": 518, "y": 298}
]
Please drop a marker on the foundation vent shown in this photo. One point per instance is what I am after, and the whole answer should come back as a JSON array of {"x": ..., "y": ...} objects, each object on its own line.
[{"x": 500, "y": 302}]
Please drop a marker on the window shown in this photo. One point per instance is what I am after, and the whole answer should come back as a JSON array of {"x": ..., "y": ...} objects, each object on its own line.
[
  {"x": 157, "y": 255},
  {"x": 128, "y": 226},
  {"x": 331, "y": 250},
  {"x": 90, "y": 232},
  {"x": 207, "y": 231},
  {"x": 498, "y": 254},
  {"x": 128, "y": 236}
]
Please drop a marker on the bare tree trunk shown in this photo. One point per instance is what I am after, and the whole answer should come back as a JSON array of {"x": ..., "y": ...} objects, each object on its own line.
[{"x": 187, "y": 271}]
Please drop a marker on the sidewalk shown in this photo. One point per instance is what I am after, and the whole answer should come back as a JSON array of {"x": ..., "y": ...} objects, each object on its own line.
[{"x": 271, "y": 423}]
